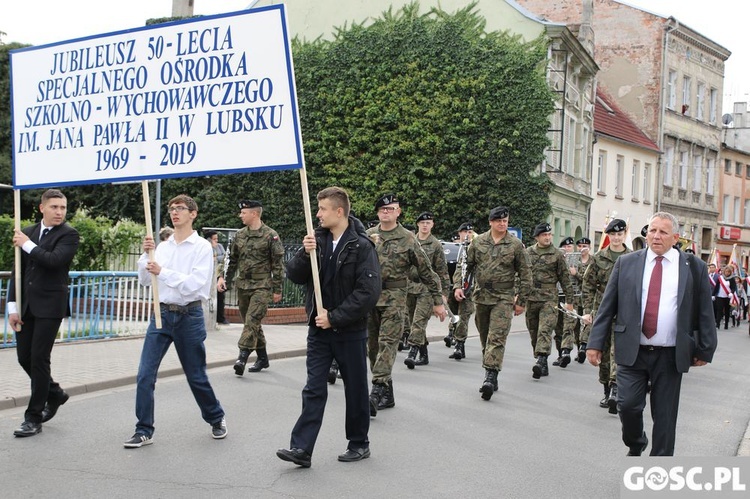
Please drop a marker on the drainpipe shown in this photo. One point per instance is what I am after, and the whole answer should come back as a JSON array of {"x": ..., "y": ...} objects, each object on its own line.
[{"x": 662, "y": 105}]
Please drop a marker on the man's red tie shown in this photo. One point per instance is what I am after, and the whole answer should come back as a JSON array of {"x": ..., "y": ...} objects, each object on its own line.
[{"x": 651, "y": 315}]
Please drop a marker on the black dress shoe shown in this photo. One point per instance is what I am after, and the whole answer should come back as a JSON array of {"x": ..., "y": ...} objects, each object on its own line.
[
  {"x": 52, "y": 406},
  {"x": 634, "y": 451},
  {"x": 352, "y": 455},
  {"x": 296, "y": 456},
  {"x": 28, "y": 429}
]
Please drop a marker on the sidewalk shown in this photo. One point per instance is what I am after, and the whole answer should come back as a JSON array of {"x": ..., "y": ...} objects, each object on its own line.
[{"x": 88, "y": 366}]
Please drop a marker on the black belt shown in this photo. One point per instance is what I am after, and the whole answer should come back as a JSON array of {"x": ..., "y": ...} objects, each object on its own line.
[
  {"x": 653, "y": 347},
  {"x": 183, "y": 309}
]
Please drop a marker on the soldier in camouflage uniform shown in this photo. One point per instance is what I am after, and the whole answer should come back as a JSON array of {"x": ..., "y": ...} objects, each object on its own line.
[
  {"x": 548, "y": 268},
  {"x": 257, "y": 257},
  {"x": 419, "y": 300},
  {"x": 496, "y": 258},
  {"x": 566, "y": 325},
  {"x": 398, "y": 252},
  {"x": 464, "y": 308},
  {"x": 581, "y": 331},
  {"x": 594, "y": 283}
]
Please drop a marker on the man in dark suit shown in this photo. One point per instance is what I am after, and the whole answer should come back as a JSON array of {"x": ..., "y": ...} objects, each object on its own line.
[
  {"x": 662, "y": 329},
  {"x": 350, "y": 287},
  {"x": 48, "y": 248}
]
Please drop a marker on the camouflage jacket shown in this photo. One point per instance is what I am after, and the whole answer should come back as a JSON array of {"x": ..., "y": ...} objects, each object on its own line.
[
  {"x": 495, "y": 268},
  {"x": 596, "y": 277},
  {"x": 548, "y": 267},
  {"x": 434, "y": 251},
  {"x": 398, "y": 252},
  {"x": 578, "y": 280},
  {"x": 257, "y": 256}
]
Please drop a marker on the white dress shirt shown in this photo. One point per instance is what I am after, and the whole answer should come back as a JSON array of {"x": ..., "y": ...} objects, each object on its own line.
[
  {"x": 187, "y": 269},
  {"x": 666, "y": 327}
]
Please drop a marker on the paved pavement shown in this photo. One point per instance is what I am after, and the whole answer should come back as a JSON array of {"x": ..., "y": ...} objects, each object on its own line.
[{"x": 88, "y": 366}]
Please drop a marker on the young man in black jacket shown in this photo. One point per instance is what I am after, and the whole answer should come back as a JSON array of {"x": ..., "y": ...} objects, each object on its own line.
[{"x": 350, "y": 286}]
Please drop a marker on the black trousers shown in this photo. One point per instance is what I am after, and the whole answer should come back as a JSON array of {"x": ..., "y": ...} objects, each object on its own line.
[
  {"x": 34, "y": 348},
  {"x": 323, "y": 346},
  {"x": 722, "y": 310},
  {"x": 657, "y": 366},
  {"x": 220, "y": 297}
]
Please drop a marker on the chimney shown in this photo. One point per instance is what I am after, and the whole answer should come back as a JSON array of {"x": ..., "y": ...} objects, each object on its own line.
[{"x": 586, "y": 33}]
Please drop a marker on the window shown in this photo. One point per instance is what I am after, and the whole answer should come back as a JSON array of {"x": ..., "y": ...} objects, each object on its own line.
[
  {"x": 572, "y": 129},
  {"x": 747, "y": 212},
  {"x": 686, "y": 95},
  {"x": 672, "y": 88},
  {"x": 710, "y": 164},
  {"x": 736, "y": 211},
  {"x": 646, "y": 183},
  {"x": 697, "y": 177},
  {"x": 683, "y": 169},
  {"x": 634, "y": 178},
  {"x": 668, "y": 160},
  {"x": 725, "y": 206},
  {"x": 713, "y": 105},
  {"x": 747, "y": 172},
  {"x": 619, "y": 175},
  {"x": 738, "y": 167},
  {"x": 601, "y": 169},
  {"x": 700, "y": 95},
  {"x": 728, "y": 166}
]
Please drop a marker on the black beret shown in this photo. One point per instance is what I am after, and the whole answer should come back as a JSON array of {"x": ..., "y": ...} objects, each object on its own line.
[
  {"x": 584, "y": 240},
  {"x": 644, "y": 230},
  {"x": 566, "y": 241},
  {"x": 248, "y": 203},
  {"x": 616, "y": 225},
  {"x": 209, "y": 234},
  {"x": 385, "y": 199},
  {"x": 425, "y": 216},
  {"x": 542, "y": 228},
  {"x": 499, "y": 212},
  {"x": 465, "y": 226}
]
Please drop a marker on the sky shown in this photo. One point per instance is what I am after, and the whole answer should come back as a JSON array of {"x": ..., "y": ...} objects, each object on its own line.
[{"x": 38, "y": 22}]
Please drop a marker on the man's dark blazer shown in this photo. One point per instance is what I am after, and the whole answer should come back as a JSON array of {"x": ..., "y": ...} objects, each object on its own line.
[
  {"x": 696, "y": 326},
  {"x": 45, "y": 272}
]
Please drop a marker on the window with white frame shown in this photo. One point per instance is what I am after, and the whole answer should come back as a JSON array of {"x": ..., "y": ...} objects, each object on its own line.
[
  {"x": 728, "y": 166},
  {"x": 736, "y": 211},
  {"x": 634, "y": 178},
  {"x": 686, "y": 95},
  {"x": 713, "y": 104},
  {"x": 646, "y": 183},
  {"x": 726, "y": 216},
  {"x": 700, "y": 98},
  {"x": 571, "y": 156},
  {"x": 738, "y": 167},
  {"x": 710, "y": 175},
  {"x": 668, "y": 162},
  {"x": 619, "y": 175},
  {"x": 672, "y": 89},
  {"x": 601, "y": 172},
  {"x": 697, "y": 177},
  {"x": 683, "y": 169},
  {"x": 746, "y": 219}
]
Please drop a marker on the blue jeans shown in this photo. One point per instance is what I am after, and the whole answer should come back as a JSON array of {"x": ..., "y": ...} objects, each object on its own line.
[{"x": 188, "y": 332}]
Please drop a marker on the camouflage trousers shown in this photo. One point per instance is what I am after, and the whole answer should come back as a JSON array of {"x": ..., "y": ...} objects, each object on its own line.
[
  {"x": 565, "y": 331},
  {"x": 463, "y": 309},
  {"x": 541, "y": 318},
  {"x": 384, "y": 328},
  {"x": 493, "y": 323},
  {"x": 608, "y": 367},
  {"x": 419, "y": 311},
  {"x": 253, "y": 305}
]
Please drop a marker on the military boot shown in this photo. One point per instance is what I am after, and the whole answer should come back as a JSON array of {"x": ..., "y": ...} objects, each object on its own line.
[
  {"x": 537, "y": 371},
  {"x": 489, "y": 384},
  {"x": 239, "y": 364},
  {"x": 260, "y": 363},
  {"x": 581, "y": 358},
  {"x": 604, "y": 403},
  {"x": 386, "y": 399},
  {"x": 449, "y": 339},
  {"x": 411, "y": 359},
  {"x": 612, "y": 400},
  {"x": 545, "y": 367},
  {"x": 402, "y": 344},
  {"x": 565, "y": 358},
  {"x": 375, "y": 395},
  {"x": 333, "y": 372},
  {"x": 423, "y": 359},
  {"x": 559, "y": 358},
  {"x": 458, "y": 351}
]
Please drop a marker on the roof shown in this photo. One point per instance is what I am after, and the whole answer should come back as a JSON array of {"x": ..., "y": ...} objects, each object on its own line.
[{"x": 612, "y": 121}]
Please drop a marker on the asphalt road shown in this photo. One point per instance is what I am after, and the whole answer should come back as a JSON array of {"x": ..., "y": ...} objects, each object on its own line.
[{"x": 533, "y": 439}]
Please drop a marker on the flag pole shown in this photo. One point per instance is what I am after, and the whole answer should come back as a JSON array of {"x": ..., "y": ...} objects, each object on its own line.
[
  {"x": 17, "y": 250},
  {"x": 150, "y": 233}
]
